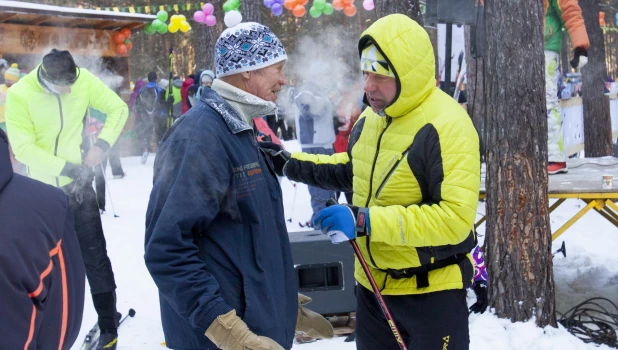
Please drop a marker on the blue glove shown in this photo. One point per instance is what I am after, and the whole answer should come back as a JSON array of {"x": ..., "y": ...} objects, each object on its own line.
[{"x": 342, "y": 222}]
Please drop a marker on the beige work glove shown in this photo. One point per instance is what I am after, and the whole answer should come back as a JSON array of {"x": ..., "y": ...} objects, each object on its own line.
[
  {"x": 311, "y": 323},
  {"x": 229, "y": 332}
]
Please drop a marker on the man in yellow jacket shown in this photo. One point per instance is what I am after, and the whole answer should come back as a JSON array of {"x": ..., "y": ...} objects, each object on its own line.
[
  {"x": 45, "y": 114},
  {"x": 413, "y": 163}
]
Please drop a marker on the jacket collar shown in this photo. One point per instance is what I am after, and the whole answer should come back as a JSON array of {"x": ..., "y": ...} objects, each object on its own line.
[
  {"x": 247, "y": 105},
  {"x": 235, "y": 122}
]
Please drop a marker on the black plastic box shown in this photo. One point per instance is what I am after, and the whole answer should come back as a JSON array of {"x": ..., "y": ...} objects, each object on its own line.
[{"x": 324, "y": 271}]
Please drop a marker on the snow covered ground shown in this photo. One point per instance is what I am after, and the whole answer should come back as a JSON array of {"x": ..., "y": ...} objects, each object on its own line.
[{"x": 591, "y": 269}]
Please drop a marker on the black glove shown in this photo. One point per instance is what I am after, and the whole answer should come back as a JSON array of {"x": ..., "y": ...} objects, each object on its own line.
[
  {"x": 481, "y": 299},
  {"x": 82, "y": 176},
  {"x": 577, "y": 53},
  {"x": 170, "y": 100},
  {"x": 278, "y": 155}
]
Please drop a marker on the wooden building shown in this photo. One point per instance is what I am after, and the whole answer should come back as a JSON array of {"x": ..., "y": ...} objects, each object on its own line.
[{"x": 28, "y": 31}]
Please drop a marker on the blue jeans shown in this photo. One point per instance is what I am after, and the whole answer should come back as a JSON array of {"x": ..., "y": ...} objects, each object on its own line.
[{"x": 318, "y": 195}]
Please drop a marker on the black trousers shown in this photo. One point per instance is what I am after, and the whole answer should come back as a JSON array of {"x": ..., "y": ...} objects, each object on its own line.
[
  {"x": 433, "y": 321},
  {"x": 94, "y": 252},
  {"x": 149, "y": 127},
  {"x": 99, "y": 173}
]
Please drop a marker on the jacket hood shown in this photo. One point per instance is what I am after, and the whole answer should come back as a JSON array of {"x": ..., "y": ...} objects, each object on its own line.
[
  {"x": 208, "y": 73},
  {"x": 407, "y": 48},
  {"x": 188, "y": 82},
  {"x": 6, "y": 170}
]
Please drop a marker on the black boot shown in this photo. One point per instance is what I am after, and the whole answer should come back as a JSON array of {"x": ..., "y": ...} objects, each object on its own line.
[
  {"x": 105, "y": 305},
  {"x": 108, "y": 340}
]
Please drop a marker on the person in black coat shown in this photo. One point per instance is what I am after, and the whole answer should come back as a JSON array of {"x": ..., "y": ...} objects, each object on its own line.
[{"x": 42, "y": 274}]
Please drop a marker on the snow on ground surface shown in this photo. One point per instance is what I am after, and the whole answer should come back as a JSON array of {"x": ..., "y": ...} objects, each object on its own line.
[{"x": 590, "y": 269}]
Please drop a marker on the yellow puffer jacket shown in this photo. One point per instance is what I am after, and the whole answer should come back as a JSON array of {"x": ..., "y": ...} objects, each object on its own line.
[
  {"x": 417, "y": 169},
  {"x": 45, "y": 130}
]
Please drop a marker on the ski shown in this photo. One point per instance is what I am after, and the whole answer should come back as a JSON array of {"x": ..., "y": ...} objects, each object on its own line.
[{"x": 92, "y": 337}]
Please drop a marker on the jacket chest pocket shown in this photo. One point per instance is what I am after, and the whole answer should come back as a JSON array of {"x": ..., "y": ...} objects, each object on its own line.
[
  {"x": 249, "y": 184},
  {"x": 399, "y": 186}
]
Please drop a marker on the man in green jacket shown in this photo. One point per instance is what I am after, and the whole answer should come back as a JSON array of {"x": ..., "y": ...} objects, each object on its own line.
[
  {"x": 45, "y": 118},
  {"x": 560, "y": 14}
]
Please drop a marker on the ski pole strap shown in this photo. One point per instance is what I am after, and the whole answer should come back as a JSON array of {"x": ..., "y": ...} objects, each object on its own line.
[{"x": 422, "y": 272}]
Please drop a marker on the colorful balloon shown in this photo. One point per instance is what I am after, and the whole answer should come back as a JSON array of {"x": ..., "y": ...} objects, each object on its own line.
[
  {"x": 162, "y": 16},
  {"x": 157, "y": 24},
  {"x": 269, "y": 3},
  {"x": 210, "y": 20},
  {"x": 129, "y": 46},
  {"x": 172, "y": 27},
  {"x": 319, "y": 4},
  {"x": 276, "y": 9},
  {"x": 148, "y": 29},
  {"x": 235, "y": 4},
  {"x": 302, "y": 2},
  {"x": 290, "y": 4},
  {"x": 347, "y": 3},
  {"x": 121, "y": 49},
  {"x": 315, "y": 12},
  {"x": 299, "y": 11},
  {"x": 232, "y": 18},
  {"x": 185, "y": 26},
  {"x": 337, "y": 5},
  {"x": 163, "y": 29},
  {"x": 126, "y": 32},
  {"x": 227, "y": 7},
  {"x": 208, "y": 9},
  {"x": 368, "y": 5},
  {"x": 198, "y": 16},
  {"x": 328, "y": 9},
  {"x": 350, "y": 10},
  {"x": 118, "y": 37}
]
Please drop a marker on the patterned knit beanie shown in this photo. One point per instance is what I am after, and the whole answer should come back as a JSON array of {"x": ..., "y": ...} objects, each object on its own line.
[
  {"x": 13, "y": 73},
  {"x": 245, "y": 47}
]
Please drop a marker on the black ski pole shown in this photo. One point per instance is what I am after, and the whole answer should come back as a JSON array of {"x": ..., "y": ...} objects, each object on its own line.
[
  {"x": 111, "y": 200},
  {"x": 561, "y": 250},
  {"x": 293, "y": 202},
  {"x": 131, "y": 314},
  {"x": 376, "y": 290},
  {"x": 170, "y": 119}
]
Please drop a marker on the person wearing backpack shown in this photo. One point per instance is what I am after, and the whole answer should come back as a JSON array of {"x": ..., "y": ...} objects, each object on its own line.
[{"x": 152, "y": 112}]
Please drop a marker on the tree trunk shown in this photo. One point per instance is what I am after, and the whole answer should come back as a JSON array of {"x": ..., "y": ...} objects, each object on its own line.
[
  {"x": 205, "y": 39},
  {"x": 518, "y": 243},
  {"x": 597, "y": 120},
  {"x": 411, "y": 8},
  {"x": 251, "y": 11}
]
